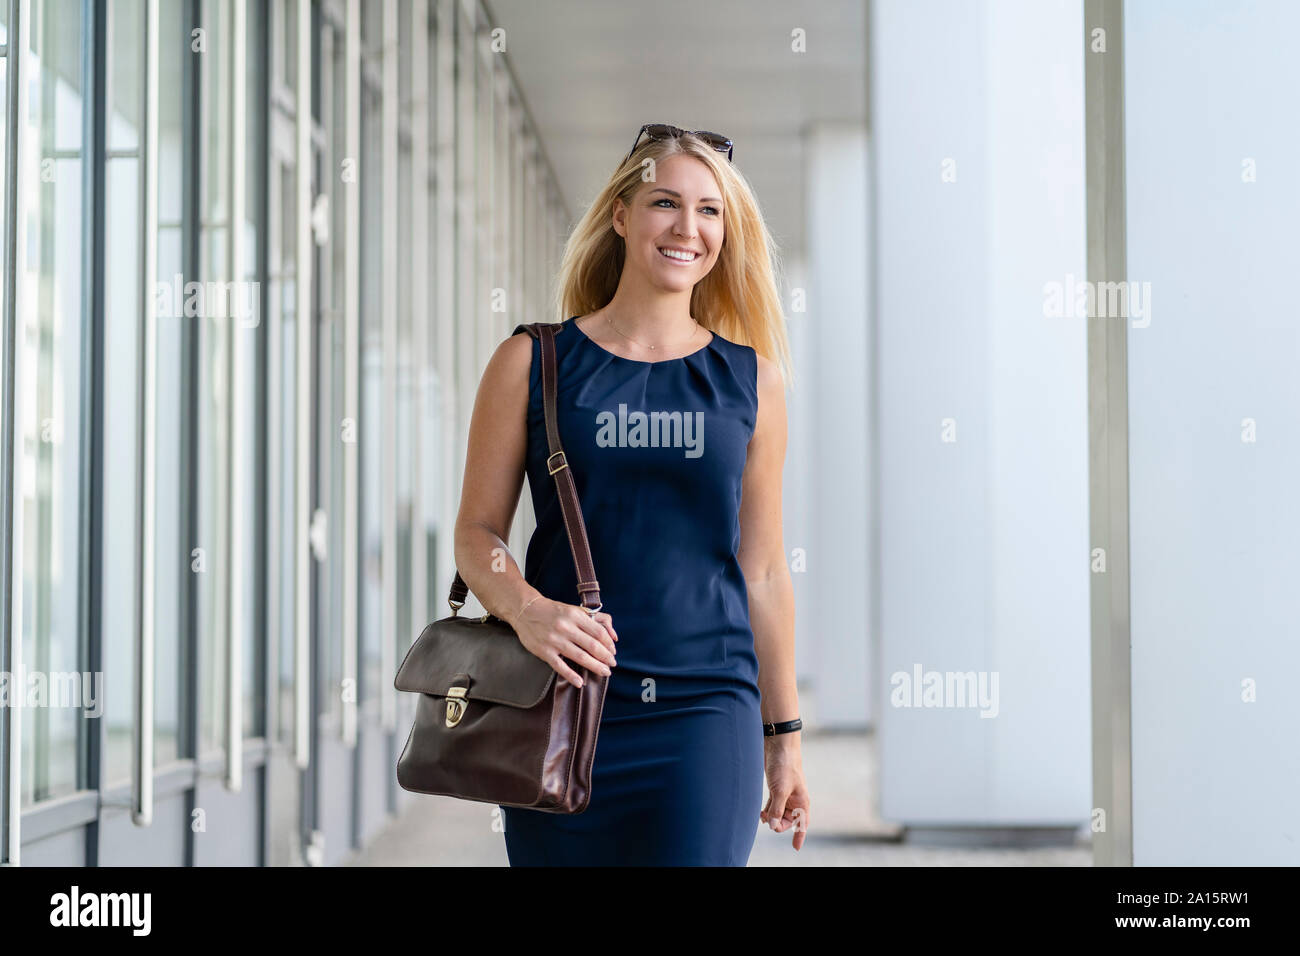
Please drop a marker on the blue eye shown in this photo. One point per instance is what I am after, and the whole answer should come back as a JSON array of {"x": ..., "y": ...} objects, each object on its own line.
[{"x": 714, "y": 209}]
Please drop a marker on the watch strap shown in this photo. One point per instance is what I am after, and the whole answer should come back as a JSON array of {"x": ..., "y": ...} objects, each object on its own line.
[{"x": 784, "y": 727}]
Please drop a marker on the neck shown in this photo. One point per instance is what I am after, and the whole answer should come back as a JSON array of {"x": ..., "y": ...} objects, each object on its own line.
[{"x": 650, "y": 315}]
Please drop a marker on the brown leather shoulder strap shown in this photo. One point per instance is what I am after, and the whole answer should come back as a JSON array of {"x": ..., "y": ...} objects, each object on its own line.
[{"x": 565, "y": 489}]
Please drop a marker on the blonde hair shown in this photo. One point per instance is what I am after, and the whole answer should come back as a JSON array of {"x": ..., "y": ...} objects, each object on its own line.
[{"x": 738, "y": 299}]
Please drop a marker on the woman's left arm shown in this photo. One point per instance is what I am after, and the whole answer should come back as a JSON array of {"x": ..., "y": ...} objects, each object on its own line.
[{"x": 771, "y": 605}]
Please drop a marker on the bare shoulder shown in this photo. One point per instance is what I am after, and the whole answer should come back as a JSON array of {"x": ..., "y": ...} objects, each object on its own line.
[
  {"x": 769, "y": 377},
  {"x": 771, "y": 389},
  {"x": 769, "y": 429},
  {"x": 510, "y": 363}
]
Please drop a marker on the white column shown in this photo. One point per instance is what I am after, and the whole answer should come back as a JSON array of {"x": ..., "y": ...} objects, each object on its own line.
[
  {"x": 799, "y": 478},
  {"x": 977, "y": 114},
  {"x": 1213, "y": 443},
  {"x": 834, "y": 605}
]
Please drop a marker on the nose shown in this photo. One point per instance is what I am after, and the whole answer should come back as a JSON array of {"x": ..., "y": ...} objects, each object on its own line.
[{"x": 685, "y": 225}]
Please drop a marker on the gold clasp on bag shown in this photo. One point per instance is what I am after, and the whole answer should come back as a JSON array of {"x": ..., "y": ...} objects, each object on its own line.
[{"x": 456, "y": 703}]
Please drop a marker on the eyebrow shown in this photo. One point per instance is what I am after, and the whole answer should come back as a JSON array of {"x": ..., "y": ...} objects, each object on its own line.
[{"x": 673, "y": 192}]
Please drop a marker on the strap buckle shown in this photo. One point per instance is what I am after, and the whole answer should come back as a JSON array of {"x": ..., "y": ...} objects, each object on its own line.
[{"x": 552, "y": 469}]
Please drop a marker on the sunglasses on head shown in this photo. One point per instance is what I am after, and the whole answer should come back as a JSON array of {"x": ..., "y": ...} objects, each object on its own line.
[{"x": 663, "y": 131}]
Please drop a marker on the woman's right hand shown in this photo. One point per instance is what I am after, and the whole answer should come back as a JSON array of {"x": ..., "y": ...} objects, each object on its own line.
[{"x": 553, "y": 631}]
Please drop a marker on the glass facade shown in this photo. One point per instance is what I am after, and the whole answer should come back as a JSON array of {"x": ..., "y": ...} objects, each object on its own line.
[
  {"x": 334, "y": 258},
  {"x": 50, "y": 341}
]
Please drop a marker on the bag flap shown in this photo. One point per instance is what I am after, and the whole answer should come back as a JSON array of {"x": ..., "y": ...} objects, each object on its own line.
[{"x": 500, "y": 668}]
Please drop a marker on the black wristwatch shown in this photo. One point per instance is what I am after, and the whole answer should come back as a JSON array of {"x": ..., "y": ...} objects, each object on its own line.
[{"x": 785, "y": 727}]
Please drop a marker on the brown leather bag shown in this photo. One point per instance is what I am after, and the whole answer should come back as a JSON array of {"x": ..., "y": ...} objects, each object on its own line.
[{"x": 495, "y": 723}]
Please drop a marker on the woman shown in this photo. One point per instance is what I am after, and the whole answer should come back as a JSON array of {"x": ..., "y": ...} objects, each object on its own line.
[{"x": 671, "y": 410}]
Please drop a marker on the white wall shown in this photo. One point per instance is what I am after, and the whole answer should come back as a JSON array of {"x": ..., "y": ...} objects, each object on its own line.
[
  {"x": 834, "y": 607},
  {"x": 799, "y": 474},
  {"x": 1214, "y": 519},
  {"x": 983, "y": 539}
]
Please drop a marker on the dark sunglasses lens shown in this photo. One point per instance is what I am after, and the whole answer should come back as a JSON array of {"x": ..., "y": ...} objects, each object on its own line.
[
  {"x": 666, "y": 131},
  {"x": 660, "y": 131},
  {"x": 716, "y": 140}
]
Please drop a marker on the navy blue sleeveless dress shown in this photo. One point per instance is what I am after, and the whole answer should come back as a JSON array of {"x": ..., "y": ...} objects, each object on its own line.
[{"x": 657, "y": 451}]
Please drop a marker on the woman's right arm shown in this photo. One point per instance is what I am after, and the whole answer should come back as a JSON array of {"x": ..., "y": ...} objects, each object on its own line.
[{"x": 494, "y": 475}]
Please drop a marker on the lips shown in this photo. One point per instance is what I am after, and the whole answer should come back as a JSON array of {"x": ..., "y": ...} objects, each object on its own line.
[{"x": 684, "y": 256}]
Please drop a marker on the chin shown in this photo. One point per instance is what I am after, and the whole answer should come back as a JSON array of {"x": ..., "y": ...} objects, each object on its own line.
[{"x": 679, "y": 283}]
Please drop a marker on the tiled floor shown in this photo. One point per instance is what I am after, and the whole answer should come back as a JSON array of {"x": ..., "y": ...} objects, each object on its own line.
[{"x": 840, "y": 769}]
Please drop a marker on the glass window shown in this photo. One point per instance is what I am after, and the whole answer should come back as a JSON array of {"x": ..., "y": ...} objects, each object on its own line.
[
  {"x": 283, "y": 389},
  {"x": 441, "y": 304},
  {"x": 213, "y": 402},
  {"x": 173, "y": 556},
  {"x": 332, "y": 398},
  {"x": 288, "y": 20},
  {"x": 429, "y": 314},
  {"x": 465, "y": 242},
  {"x": 405, "y": 371},
  {"x": 49, "y": 456},
  {"x": 122, "y": 311},
  {"x": 369, "y": 451},
  {"x": 483, "y": 223},
  {"x": 281, "y": 384},
  {"x": 250, "y": 407}
]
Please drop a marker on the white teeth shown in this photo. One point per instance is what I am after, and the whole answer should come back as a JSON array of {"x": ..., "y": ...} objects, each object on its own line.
[{"x": 683, "y": 256}]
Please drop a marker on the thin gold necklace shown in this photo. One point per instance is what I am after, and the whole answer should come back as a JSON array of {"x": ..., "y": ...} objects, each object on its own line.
[{"x": 650, "y": 347}]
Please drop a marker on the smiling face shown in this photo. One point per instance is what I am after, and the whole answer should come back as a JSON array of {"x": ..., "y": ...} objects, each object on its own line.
[{"x": 673, "y": 227}]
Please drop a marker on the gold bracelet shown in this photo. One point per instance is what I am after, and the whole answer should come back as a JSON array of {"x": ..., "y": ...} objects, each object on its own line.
[{"x": 520, "y": 615}]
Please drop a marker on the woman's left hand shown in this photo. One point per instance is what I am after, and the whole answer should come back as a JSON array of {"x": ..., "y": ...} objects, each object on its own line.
[{"x": 788, "y": 803}]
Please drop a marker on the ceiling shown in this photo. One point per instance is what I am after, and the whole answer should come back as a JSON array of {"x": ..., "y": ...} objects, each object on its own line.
[{"x": 592, "y": 71}]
